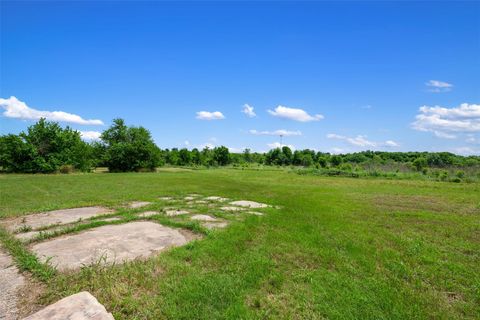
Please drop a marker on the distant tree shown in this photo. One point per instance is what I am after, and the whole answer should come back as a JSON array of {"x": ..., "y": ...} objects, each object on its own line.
[
  {"x": 420, "y": 163},
  {"x": 45, "y": 147},
  {"x": 196, "y": 156},
  {"x": 129, "y": 148},
  {"x": 185, "y": 158},
  {"x": 336, "y": 160},
  {"x": 287, "y": 155},
  {"x": 247, "y": 155},
  {"x": 221, "y": 155}
]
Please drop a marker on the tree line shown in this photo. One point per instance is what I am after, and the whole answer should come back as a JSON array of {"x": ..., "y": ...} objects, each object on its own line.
[{"x": 46, "y": 147}]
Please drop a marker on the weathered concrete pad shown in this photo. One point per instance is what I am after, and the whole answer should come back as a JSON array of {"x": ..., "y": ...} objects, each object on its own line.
[
  {"x": 147, "y": 214},
  {"x": 215, "y": 225},
  {"x": 203, "y": 217},
  {"x": 80, "y": 306},
  {"x": 64, "y": 216},
  {"x": 112, "y": 243},
  {"x": 249, "y": 204},
  {"x": 255, "y": 213},
  {"x": 138, "y": 204},
  {"x": 216, "y": 198},
  {"x": 175, "y": 212},
  {"x": 10, "y": 283},
  {"x": 228, "y": 208}
]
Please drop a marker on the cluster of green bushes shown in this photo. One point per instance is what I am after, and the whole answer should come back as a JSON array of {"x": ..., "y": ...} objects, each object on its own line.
[{"x": 47, "y": 147}]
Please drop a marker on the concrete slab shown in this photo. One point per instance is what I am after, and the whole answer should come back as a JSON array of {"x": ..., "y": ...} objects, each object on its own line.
[
  {"x": 215, "y": 225},
  {"x": 108, "y": 244},
  {"x": 165, "y": 198},
  {"x": 255, "y": 213},
  {"x": 148, "y": 214},
  {"x": 10, "y": 283},
  {"x": 138, "y": 204},
  {"x": 27, "y": 236},
  {"x": 80, "y": 306},
  {"x": 229, "y": 208},
  {"x": 175, "y": 212},
  {"x": 39, "y": 220},
  {"x": 216, "y": 198},
  {"x": 189, "y": 198},
  {"x": 202, "y": 217},
  {"x": 249, "y": 204}
]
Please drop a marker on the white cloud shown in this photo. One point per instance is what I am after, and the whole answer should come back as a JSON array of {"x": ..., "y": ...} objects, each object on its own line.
[
  {"x": 443, "y": 122},
  {"x": 17, "y": 109},
  {"x": 248, "y": 110},
  {"x": 206, "y": 145},
  {"x": 186, "y": 143},
  {"x": 472, "y": 139},
  {"x": 275, "y": 145},
  {"x": 294, "y": 114},
  {"x": 207, "y": 115},
  {"x": 90, "y": 135},
  {"x": 362, "y": 141},
  {"x": 438, "y": 86},
  {"x": 391, "y": 143},
  {"x": 281, "y": 132},
  {"x": 466, "y": 151},
  {"x": 338, "y": 150}
]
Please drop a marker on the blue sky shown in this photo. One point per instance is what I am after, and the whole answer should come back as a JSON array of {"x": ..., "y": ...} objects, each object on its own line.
[{"x": 335, "y": 76}]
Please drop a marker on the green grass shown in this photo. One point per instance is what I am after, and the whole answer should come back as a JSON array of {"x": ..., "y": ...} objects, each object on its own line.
[{"x": 340, "y": 248}]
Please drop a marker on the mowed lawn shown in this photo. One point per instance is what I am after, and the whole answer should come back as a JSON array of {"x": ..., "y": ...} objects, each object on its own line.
[{"x": 340, "y": 248}]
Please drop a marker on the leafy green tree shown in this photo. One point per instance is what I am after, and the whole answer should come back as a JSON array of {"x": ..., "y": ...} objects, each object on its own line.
[
  {"x": 287, "y": 155},
  {"x": 221, "y": 155},
  {"x": 420, "y": 163},
  {"x": 129, "y": 148},
  {"x": 196, "y": 156},
  {"x": 336, "y": 160},
  {"x": 185, "y": 158},
  {"x": 45, "y": 147}
]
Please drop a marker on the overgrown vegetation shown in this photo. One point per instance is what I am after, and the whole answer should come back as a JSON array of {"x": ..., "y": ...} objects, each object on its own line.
[
  {"x": 338, "y": 249},
  {"x": 46, "y": 147}
]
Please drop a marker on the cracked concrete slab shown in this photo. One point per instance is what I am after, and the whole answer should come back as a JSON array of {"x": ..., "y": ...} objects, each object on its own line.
[
  {"x": 215, "y": 225},
  {"x": 64, "y": 216},
  {"x": 108, "y": 244},
  {"x": 202, "y": 217},
  {"x": 138, "y": 204},
  {"x": 229, "y": 208},
  {"x": 80, "y": 306},
  {"x": 10, "y": 283},
  {"x": 175, "y": 212},
  {"x": 147, "y": 214},
  {"x": 249, "y": 204},
  {"x": 216, "y": 198}
]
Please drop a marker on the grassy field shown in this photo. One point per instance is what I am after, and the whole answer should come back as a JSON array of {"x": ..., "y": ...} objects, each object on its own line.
[{"x": 340, "y": 248}]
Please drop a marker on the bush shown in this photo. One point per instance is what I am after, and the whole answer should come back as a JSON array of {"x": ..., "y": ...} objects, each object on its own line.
[{"x": 66, "y": 169}]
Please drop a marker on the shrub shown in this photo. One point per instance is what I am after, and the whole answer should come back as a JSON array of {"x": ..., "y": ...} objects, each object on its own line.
[{"x": 66, "y": 169}]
